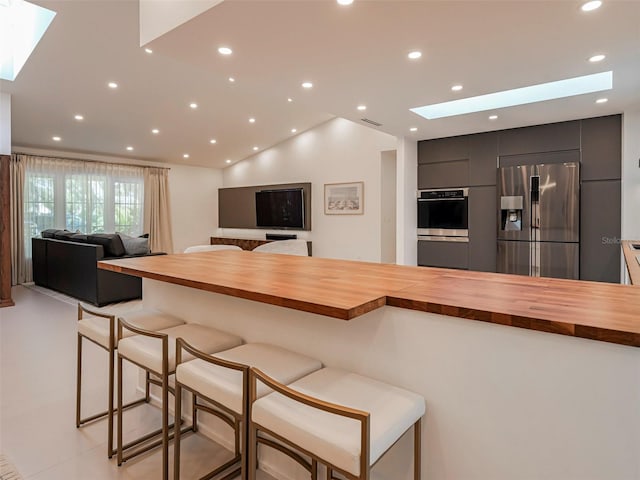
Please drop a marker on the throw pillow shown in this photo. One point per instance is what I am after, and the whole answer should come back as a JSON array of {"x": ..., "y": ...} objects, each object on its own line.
[
  {"x": 49, "y": 232},
  {"x": 113, "y": 246},
  {"x": 135, "y": 245}
]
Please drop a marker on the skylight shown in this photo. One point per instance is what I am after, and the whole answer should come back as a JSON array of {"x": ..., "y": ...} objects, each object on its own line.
[
  {"x": 22, "y": 25},
  {"x": 519, "y": 96}
]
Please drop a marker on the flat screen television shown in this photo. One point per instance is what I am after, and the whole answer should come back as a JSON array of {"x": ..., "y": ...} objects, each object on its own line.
[{"x": 280, "y": 208}]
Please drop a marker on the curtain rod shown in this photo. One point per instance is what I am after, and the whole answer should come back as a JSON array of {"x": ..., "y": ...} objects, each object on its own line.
[{"x": 93, "y": 161}]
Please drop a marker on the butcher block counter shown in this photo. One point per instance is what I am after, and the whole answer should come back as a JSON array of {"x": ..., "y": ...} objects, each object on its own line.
[
  {"x": 631, "y": 256},
  {"x": 347, "y": 289},
  {"x": 502, "y": 403}
]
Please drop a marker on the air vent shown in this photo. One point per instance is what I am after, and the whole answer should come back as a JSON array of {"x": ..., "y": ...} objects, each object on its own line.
[{"x": 371, "y": 122}]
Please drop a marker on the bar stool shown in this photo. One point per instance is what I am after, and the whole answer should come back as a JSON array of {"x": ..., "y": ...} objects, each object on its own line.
[
  {"x": 100, "y": 329},
  {"x": 343, "y": 420},
  {"x": 223, "y": 379},
  {"x": 155, "y": 353}
]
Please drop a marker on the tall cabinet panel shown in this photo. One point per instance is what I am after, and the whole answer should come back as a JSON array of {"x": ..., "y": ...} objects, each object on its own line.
[
  {"x": 600, "y": 231},
  {"x": 483, "y": 154},
  {"x": 482, "y": 228}
]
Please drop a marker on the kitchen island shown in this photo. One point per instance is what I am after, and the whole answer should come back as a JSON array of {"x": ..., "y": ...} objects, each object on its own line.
[{"x": 541, "y": 401}]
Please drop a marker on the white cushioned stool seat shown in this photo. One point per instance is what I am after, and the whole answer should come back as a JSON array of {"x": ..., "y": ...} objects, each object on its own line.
[
  {"x": 333, "y": 438},
  {"x": 147, "y": 351},
  {"x": 97, "y": 328},
  {"x": 225, "y": 385}
]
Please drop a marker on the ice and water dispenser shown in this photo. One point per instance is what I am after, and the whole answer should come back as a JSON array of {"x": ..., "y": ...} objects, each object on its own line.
[{"x": 511, "y": 213}]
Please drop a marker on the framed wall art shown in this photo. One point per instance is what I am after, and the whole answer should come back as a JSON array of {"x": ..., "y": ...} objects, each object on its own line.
[{"x": 344, "y": 198}]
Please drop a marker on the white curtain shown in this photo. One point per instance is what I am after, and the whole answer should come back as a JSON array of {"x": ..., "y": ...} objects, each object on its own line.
[
  {"x": 16, "y": 189},
  {"x": 157, "y": 214},
  {"x": 76, "y": 195}
]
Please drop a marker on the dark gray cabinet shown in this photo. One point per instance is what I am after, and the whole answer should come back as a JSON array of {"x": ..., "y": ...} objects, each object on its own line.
[
  {"x": 483, "y": 154},
  {"x": 602, "y": 148},
  {"x": 483, "y": 228},
  {"x": 443, "y": 175},
  {"x": 600, "y": 231},
  {"x": 443, "y": 149},
  {"x": 541, "y": 138},
  {"x": 443, "y": 254}
]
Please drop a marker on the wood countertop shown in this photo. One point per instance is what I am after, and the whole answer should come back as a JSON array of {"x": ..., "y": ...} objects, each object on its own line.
[
  {"x": 346, "y": 289},
  {"x": 630, "y": 258}
]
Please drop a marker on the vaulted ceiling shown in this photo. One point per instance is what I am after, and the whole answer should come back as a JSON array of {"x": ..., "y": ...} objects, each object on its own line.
[{"x": 354, "y": 55}]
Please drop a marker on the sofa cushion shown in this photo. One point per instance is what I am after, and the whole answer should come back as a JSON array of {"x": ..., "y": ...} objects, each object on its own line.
[
  {"x": 111, "y": 242},
  {"x": 135, "y": 245},
  {"x": 63, "y": 235},
  {"x": 78, "y": 238},
  {"x": 50, "y": 232}
]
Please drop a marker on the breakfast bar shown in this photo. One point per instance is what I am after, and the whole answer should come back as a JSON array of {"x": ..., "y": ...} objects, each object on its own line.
[{"x": 556, "y": 398}]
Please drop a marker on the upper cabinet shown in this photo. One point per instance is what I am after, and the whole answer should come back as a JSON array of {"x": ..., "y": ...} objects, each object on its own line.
[
  {"x": 469, "y": 160},
  {"x": 443, "y": 150},
  {"x": 602, "y": 148},
  {"x": 552, "y": 137}
]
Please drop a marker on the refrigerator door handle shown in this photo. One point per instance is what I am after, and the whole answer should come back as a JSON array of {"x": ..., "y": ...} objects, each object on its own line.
[{"x": 535, "y": 226}]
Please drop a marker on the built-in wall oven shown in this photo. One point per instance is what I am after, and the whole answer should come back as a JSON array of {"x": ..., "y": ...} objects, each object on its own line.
[{"x": 443, "y": 214}]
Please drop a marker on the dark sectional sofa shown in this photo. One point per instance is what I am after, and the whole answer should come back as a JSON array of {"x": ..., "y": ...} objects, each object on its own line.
[{"x": 70, "y": 267}]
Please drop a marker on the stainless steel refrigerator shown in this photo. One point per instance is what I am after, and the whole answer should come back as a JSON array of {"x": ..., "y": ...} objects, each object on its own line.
[{"x": 539, "y": 220}]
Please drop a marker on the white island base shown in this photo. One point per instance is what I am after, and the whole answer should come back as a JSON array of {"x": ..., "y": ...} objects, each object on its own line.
[{"x": 503, "y": 403}]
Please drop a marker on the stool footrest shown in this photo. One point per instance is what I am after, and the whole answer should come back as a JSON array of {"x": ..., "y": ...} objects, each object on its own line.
[
  {"x": 222, "y": 468},
  {"x": 146, "y": 438},
  {"x": 134, "y": 403}
]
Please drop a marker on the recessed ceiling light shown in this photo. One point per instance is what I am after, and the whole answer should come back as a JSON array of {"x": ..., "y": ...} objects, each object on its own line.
[
  {"x": 344, "y": 2},
  {"x": 148, "y": 50},
  {"x": 294, "y": 130},
  {"x": 193, "y": 105},
  {"x": 589, "y": 6},
  {"x": 597, "y": 58},
  {"x": 112, "y": 85},
  {"x": 416, "y": 54},
  {"x": 413, "y": 129},
  {"x": 227, "y": 161},
  {"x": 362, "y": 107},
  {"x": 56, "y": 139},
  {"x": 79, "y": 117},
  {"x": 289, "y": 99},
  {"x": 231, "y": 79},
  {"x": 212, "y": 141},
  {"x": 493, "y": 117},
  {"x": 185, "y": 155},
  {"x": 456, "y": 88},
  {"x": 225, "y": 51},
  {"x": 255, "y": 148},
  {"x": 155, "y": 131},
  {"x": 602, "y": 100},
  {"x": 307, "y": 85},
  {"x": 252, "y": 120},
  {"x": 569, "y": 87},
  {"x": 130, "y": 148}
]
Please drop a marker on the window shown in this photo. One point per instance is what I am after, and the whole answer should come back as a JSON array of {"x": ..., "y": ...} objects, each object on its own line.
[{"x": 87, "y": 196}]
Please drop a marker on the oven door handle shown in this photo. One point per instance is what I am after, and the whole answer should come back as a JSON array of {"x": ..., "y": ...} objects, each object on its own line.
[{"x": 439, "y": 238}]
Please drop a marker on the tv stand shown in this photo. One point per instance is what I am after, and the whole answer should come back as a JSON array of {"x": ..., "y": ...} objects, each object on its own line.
[{"x": 247, "y": 243}]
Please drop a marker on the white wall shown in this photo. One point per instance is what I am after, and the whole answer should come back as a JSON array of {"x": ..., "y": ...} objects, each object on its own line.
[
  {"x": 631, "y": 175},
  {"x": 5, "y": 124},
  {"x": 407, "y": 239},
  {"x": 158, "y": 17},
  {"x": 193, "y": 190},
  {"x": 194, "y": 204},
  {"x": 336, "y": 151}
]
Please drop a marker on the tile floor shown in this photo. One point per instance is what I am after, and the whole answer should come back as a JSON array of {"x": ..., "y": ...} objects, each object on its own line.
[{"x": 37, "y": 401}]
